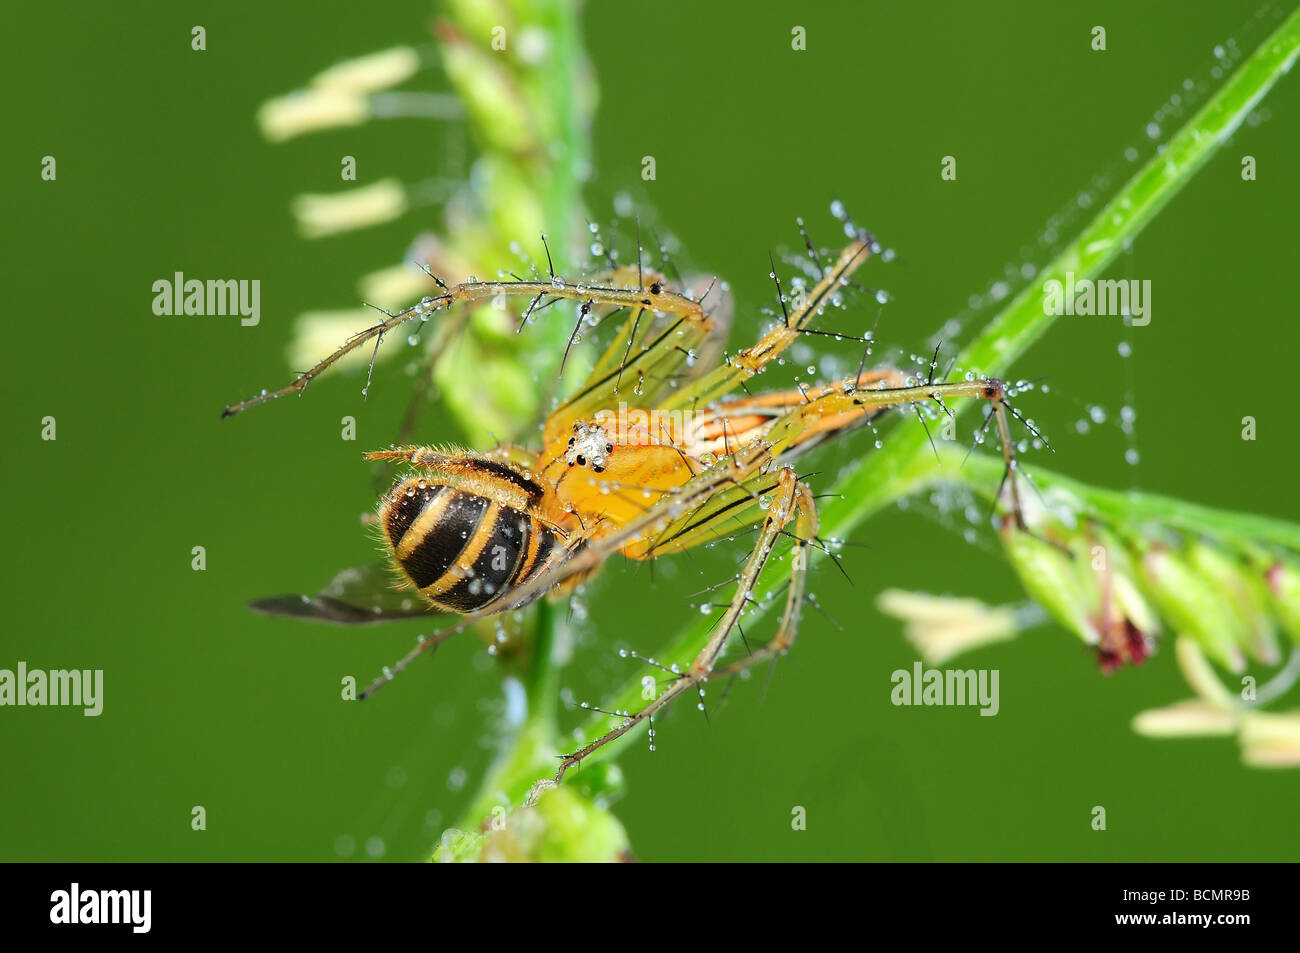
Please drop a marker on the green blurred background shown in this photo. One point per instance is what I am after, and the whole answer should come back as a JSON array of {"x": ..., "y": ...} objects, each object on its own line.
[{"x": 161, "y": 168}]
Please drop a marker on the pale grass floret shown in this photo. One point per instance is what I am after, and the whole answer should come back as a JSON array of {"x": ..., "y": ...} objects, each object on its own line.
[
  {"x": 370, "y": 73},
  {"x": 319, "y": 332},
  {"x": 321, "y": 215},
  {"x": 942, "y": 627},
  {"x": 1267, "y": 739},
  {"x": 310, "y": 110}
]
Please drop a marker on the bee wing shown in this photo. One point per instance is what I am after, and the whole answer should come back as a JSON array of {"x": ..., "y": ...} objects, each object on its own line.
[{"x": 355, "y": 596}]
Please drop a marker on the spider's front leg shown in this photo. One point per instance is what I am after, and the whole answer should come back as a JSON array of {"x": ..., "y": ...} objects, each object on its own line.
[{"x": 792, "y": 501}]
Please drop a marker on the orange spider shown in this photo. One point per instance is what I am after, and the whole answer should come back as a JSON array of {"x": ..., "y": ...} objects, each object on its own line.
[{"x": 645, "y": 471}]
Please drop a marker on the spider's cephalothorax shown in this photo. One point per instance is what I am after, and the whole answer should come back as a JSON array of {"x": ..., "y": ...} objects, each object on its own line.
[{"x": 653, "y": 454}]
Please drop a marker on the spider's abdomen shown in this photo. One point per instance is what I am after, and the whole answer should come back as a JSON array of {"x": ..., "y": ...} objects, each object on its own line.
[{"x": 462, "y": 551}]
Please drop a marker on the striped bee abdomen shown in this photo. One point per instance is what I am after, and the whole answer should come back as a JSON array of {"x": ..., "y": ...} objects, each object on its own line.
[{"x": 462, "y": 551}]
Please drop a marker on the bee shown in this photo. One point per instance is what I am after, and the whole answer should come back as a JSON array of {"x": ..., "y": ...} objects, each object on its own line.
[{"x": 642, "y": 470}]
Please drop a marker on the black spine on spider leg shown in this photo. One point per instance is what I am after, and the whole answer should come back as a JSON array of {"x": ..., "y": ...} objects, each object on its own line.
[
  {"x": 870, "y": 339},
  {"x": 1028, "y": 426},
  {"x": 934, "y": 363},
  {"x": 550, "y": 268},
  {"x": 583, "y": 310},
  {"x": 812, "y": 251},
  {"x": 812, "y": 601},
  {"x": 818, "y": 543},
  {"x": 636, "y": 323},
  {"x": 440, "y": 283},
  {"x": 743, "y": 638},
  {"x": 837, "y": 335},
  {"x": 713, "y": 588},
  {"x": 379, "y": 339},
  {"x": 779, "y": 296},
  {"x": 528, "y": 313}
]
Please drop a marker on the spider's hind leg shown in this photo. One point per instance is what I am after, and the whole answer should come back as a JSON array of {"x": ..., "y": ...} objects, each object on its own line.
[{"x": 792, "y": 502}]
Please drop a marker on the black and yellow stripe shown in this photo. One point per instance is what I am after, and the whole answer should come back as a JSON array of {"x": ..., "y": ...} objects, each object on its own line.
[{"x": 463, "y": 551}]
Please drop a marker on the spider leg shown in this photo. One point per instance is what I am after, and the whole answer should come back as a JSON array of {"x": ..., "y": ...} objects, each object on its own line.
[
  {"x": 793, "y": 501},
  {"x": 845, "y": 405},
  {"x": 645, "y": 357},
  {"x": 793, "y": 421},
  {"x": 743, "y": 365},
  {"x": 804, "y": 536},
  {"x": 686, "y": 314}
]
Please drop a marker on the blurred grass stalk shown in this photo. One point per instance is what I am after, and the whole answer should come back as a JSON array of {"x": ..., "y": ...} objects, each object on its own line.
[{"x": 523, "y": 88}]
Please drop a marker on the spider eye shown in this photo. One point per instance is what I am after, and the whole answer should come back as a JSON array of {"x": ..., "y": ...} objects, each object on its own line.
[
  {"x": 570, "y": 441},
  {"x": 582, "y": 461},
  {"x": 609, "y": 448},
  {"x": 656, "y": 288},
  {"x": 598, "y": 469}
]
